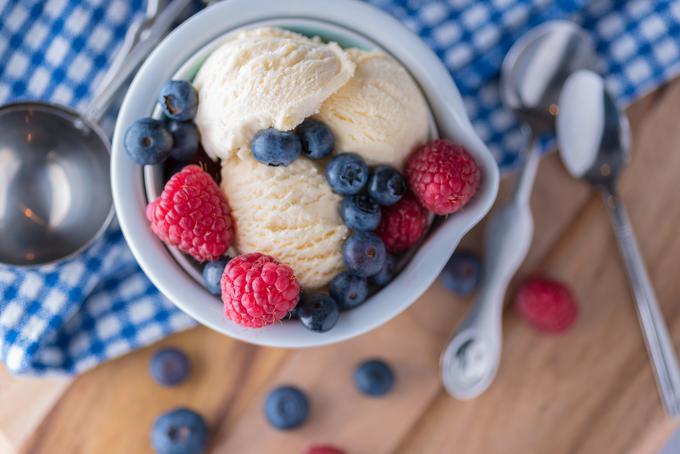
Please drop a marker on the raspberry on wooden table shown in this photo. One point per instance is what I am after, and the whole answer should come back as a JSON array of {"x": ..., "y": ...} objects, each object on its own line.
[
  {"x": 258, "y": 291},
  {"x": 193, "y": 215},
  {"x": 402, "y": 224},
  {"x": 324, "y": 449},
  {"x": 547, "y": 305},
  {"x": 443, "y": 176}
]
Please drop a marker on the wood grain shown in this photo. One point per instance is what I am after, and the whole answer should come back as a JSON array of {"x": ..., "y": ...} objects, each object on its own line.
[
  {"x": 589, "y": 391},
  {"x": 23, "y": 404}
]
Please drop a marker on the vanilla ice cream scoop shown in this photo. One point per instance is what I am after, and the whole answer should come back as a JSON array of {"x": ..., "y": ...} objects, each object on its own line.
[
  {"x": 380, "y": 113},
  {"x": 289, "y": 213},
  {"x": 263, "y": 78}
]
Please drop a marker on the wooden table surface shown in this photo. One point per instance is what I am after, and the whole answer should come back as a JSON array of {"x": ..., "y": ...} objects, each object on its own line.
[{"x": 589, "y": 391}]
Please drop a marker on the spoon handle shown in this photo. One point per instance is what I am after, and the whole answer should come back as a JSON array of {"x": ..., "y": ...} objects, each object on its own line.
[{"x": 659, "y": 343}]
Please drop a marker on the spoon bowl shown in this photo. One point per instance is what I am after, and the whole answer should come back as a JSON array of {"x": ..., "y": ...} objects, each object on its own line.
[
  {"x": 536, "y": 66},
  {"x": 600, "y": 151},
  {"x": 55, "y": 195}
]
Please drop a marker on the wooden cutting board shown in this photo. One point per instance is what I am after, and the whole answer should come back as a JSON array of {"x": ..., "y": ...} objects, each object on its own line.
[{"x": 589, "y": 391}]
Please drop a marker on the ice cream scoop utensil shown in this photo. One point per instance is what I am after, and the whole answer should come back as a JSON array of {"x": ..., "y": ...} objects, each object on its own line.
[{"x": 55, "y": 195}]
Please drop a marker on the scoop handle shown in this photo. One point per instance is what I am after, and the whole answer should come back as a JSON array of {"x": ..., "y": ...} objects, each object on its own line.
[
  {"x": 100, "y": 103},
  {"x": 132, "y": 37},
  {"x": 659, "y": 343}
]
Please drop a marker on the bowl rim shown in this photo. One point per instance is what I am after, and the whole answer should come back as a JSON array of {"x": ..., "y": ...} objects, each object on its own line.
[{"x": 447, "y": 109}]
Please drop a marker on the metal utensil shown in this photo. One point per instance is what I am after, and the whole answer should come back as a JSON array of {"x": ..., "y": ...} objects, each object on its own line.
[
  {"x": 55, "y": 195},
  {"x": 594, "y": 143},
  {"x": 532, "y": 76},
  {"x": 137, "y": 32}
]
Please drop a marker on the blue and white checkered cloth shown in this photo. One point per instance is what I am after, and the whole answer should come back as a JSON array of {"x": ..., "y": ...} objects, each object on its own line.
[{"x": 71, "y": 316}]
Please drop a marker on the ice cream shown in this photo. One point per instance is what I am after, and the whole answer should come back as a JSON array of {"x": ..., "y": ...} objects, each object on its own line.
[
  {"x": 289, "y": 213},
  {"x": 264, "y": 78},
  {"x": 268, "y": 77},
  {"x": 380, "y": 113}
]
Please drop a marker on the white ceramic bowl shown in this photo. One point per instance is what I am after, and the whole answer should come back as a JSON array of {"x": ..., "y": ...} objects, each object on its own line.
[{"x": 347, "y": 21}]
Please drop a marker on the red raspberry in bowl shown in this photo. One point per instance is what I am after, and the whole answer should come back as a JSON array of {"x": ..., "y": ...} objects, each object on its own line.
[
  {"x": 547, "y": 305},
  {"x": 193, "y": 215},
  {"x": 402, "y": 224},
  {"x": 443, "y": 176},
  {"x": 257, "y": 290}
]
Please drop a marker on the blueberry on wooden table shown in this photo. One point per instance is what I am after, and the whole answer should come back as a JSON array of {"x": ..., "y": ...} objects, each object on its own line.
[
  {"x": 169, "y": 366},
  {"x": 179, "y": 431},
  {"x": 374, "y": 378},
  {"x": 462, "y": 273},
  {"x": 286, "y": 407}
]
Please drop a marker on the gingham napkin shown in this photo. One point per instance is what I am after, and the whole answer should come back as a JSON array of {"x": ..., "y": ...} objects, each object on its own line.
[{"x": 69, "y": 317}]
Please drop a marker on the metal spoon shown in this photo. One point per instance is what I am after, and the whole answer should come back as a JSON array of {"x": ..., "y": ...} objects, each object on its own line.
[
  {"x": 55, "y": 195},
  {"x": 594, "y": 142},
  {"x": 532, "y": 76}
]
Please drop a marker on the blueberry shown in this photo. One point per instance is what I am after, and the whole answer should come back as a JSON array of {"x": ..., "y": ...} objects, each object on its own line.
[
  {"x": 364, "y": 253},
  {"x": 318, "y": 312},
  {"x": 347, "y": 173},
  {"x": 374, "y": 378},
  {"x": 348, "y": 290},
  {"x": 286, "y": 407},
  {"x": 386, "y": 273},
  {"x": 173, "y": 168},
  {"x": 360, "y": 212},
  {"x": 276, "y": 148},
  {"x": 317, "y": 138},
  {"x": 185, "y": 140},
  {"x": 293, "y": 313},
  {"x": 212, "y": 275},
  {"x": 180, "y": 431},
  {"x": 147, "y": 142},
  {"x": 386, "y": 185},
  {"x": 179, "y": 100},
  {"x": 462, "y": 273},
  {"x": 169, "y": 366}
]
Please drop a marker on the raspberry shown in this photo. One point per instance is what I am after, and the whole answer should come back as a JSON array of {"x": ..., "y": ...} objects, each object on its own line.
[
  {"x": 547, "y": 305},
  {"x": 402, "y": 224},
  {"x": 324, "y": 449},
  {"x": 257, "y": 290},
  {"x": 193, "y": 215},
  {"x": 443, "y": 176}
]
